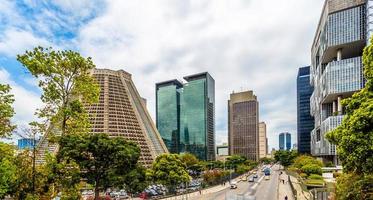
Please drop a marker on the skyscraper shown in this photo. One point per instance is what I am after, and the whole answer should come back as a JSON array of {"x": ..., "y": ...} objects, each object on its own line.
[
  {"x": 243, "y": 125},
  {"x": 336, "y": 70},
  {"x": 305, "y": 122},
  {"x": 121, "y": 112},
  {"x": 186, "y": 115},
  {"x": 262, "y": 140},
  {"x": 284, "y": 141}
]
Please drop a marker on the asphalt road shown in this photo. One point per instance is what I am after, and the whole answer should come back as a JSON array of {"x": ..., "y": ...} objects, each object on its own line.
[{"x": 262, "y": 189}]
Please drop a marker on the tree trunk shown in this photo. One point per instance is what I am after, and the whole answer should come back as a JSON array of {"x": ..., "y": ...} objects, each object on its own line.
[{"x": 97, "y": 193}]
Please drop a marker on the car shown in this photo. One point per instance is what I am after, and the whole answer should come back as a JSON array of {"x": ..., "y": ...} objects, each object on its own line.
[
  {"x": 255, "y": 176},
  {"x": 267, "y": 177},
  {"x": 233, "y": 185},
  {"x": 251, "y": 179}
]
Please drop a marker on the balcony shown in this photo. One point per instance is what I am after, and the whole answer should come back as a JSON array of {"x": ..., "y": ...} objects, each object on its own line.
[
  {"x": 342, "y": 77},
  {"x": 320, "y": 146}
]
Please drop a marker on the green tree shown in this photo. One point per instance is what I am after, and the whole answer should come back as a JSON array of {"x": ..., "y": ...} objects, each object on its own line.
[
  {"x": 6, "y": 111},
  {"x": 303, "y": 160},
  {"x": 65, "y": 79},
  {"x": 135, "y": 181},
  {"x": 354, "y": 187},
  {"x": 286, "y": 158},
  {"x": 354, "y": 137},
  {"x": 311, "y": 169},
  {"x": 102, "y": 160},
  {"x": 8, "y": 174},
  {"x": 232, "y": 162},
  {"x": 170, "y": 171}
]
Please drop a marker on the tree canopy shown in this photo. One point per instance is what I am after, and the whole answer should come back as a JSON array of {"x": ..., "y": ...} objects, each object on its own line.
[
  {"x": 169, "y": 170},
  {"x": 64, "y": 77},
  {"x": 286, "y": 158},
  {"x": 6, "y": 111},
  {"x": 102, "y": 160}
]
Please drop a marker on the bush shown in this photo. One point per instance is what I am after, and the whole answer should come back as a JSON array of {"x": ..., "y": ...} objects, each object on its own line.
[
  {"x": 336, "y": 174},
  {"x": 311, "y": 169},
  {"x": 354, "y": 187},
  {"x": 243, "y": 169},
  {"x": 315, "y": 177},
  {"x": 314, "y": 182},
  {"x": 303, "y": 175},
  {"x": 303, "y": 160}
]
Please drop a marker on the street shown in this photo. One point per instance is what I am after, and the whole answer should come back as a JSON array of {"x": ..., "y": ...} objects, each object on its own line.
[{"x": 264, "y": 190}]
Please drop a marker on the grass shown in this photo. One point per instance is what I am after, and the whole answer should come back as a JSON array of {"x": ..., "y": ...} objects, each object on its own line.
[{"x": 314, "y": 182}]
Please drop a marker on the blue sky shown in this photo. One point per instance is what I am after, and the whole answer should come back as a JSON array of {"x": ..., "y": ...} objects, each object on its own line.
[{"x": 244, "y": 44}]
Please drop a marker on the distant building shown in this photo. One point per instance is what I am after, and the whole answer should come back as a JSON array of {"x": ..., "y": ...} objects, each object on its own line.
[
  {"x": 243, "y": 121},
  {"x": 284, "y": 141},
  {"x": 263, "y": 140},
  {"x": 26, "y": 143},
  {"x": 305, "y": 122},
  {"x": 186, "y": 115},
  {"x": 222, "y": 150},
  {"x": 344, "y": 29}
]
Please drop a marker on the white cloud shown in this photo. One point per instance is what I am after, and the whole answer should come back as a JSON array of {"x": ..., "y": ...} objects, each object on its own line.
[
  {"x": 26, "y": 101},
  {"x": 249, "y": 44},
  {"x": 13, "y": 42},
  {"x": 252, "y": 44}
]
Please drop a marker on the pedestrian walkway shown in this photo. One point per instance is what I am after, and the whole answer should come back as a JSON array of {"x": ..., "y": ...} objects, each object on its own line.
[
  {"x": 284, "y": 188},
  {"x": 301, "y": 195}
]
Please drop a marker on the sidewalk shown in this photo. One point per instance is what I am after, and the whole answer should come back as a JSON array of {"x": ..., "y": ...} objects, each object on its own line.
[
  {"x": 300, "y": 194},
  {"x": 284, "y": 188}
]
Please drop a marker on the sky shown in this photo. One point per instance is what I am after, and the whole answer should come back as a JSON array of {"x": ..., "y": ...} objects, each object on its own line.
[{"x": 244, "y": 44}]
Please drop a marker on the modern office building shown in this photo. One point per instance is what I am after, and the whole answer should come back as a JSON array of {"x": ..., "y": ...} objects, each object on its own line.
[
  {"x": 243, "y": 125},
  {"x": 186, "y": 115},
  {"x": 305, "y": 122},
  {"x": 284, "y": 140},
  {"x": 263, "y": 146},
  {"x": 337, "y": 70},
  {"x": 26, "y": 143}
]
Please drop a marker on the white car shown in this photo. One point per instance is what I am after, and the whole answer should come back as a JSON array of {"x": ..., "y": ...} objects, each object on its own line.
[{"x": 233, "y": 185}]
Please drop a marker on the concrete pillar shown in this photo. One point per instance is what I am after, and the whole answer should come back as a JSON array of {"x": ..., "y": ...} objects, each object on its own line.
[
  {"x": 334, "y": 107},
  {"x": 339, "y": 54},
  {"x": 339, "y": 105}
]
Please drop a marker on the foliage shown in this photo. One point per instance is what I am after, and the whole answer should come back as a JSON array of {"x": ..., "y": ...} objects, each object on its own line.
[
  {"x": 303, "y": 175},
  {"x": 6, "y": 111},
  {"x": 169, "y": 170},
  {"x": 314, "y": 182},
  {"x": 7, "y": 170},
  {"x": 354, "y": 187},
  {"x": 286, "y": 158},
  {"x": 303, "y": 160},
  {"x": 354, "y": 137},
  {"x": 189, "y": 160},
  {"x": 215, "y": 176},
  {"x": 329, "y": 164},
  {"x": 311, "y": 169},
  {"x": 243, "y": 169},
  {"x": 234, "y": 161},
  {"x": 65, "y": 79},
  {"x": 266, "y": 161},
  {"x": 135, "y": 181},
  {"x": 315, "y": 176},
  {"x": 103, "y": 161}
]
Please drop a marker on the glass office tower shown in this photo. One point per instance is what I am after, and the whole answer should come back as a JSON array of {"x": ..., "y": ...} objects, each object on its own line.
[
  {"x": 336, "y": 69},
  {"x": 193, "y": 104},
  {"x": 168, "y": 113},
  {"x": 305, "y": 122},
  {"x": 284, "y": 140}
]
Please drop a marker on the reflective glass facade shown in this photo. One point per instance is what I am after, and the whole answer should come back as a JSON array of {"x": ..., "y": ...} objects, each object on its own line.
[
  {"x": 305, "y": 122},
  {"x": 168, "y": 112},
  {"x": 284, "y": 140},
  {"x": 185, "y": 115}
]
